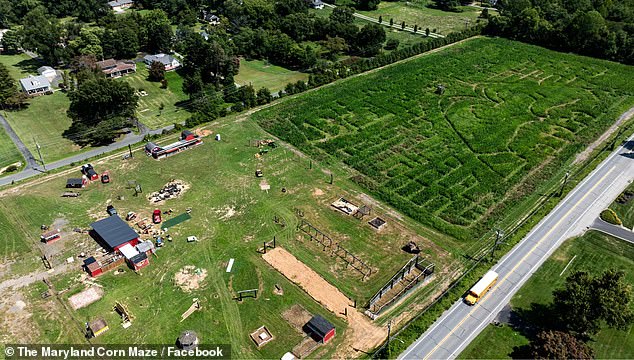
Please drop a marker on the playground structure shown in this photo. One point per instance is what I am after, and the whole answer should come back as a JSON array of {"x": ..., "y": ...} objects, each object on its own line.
[
  {"x": 253, "y": 292},
  {"x": 194, "y": 307},
  {"x": 414, "y": 273},
  {"x": 126, "y": 316},
  {"x": 268, "y": 244},
  {"x": 335, "y": 248}
]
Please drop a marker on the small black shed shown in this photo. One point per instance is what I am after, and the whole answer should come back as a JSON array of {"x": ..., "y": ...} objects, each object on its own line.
[
  {"x": 75, "y": 183},
  {"x": 320, "y": 329}
]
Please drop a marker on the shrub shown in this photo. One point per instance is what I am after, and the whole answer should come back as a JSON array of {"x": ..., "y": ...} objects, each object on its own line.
[{"x": 610, "y": 216}]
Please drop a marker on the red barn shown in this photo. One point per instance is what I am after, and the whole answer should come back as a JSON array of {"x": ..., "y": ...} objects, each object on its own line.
[
  {"x": 320, "y": 329},
  {"x": 114, "y": 233},
  {"x": 93, "y": 267}
]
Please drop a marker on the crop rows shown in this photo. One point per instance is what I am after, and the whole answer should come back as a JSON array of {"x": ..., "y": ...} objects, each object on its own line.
[{"x": 450, "y": 160}]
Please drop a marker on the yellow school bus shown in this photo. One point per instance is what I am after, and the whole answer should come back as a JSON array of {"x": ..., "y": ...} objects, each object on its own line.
[{"x": 481, "y": 287}]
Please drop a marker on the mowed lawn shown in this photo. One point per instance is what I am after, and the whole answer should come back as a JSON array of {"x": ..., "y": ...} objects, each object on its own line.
[
  {"x": 417, "y": 13},
  {"x": 9, "y": 154},
  {"x": 20, "y": 66},
  {"x": 44, "y": 121},
  {"x": 173, "y": 99},
  {"x": 261, "y": 74},
  {"x": 454, "y": 160},
  {"x": 594, "y": 253}
]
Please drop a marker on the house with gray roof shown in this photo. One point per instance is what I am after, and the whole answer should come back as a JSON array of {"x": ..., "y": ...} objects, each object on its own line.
[
  {"x": 170, "y": 62},
  {"x": 48, "y": 72},
  {"x": 120, "y": 5},
  {"x": 36, "y": 85}
]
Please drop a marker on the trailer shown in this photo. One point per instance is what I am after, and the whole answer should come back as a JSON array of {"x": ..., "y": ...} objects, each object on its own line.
[
  {"x": 51, "y": 236},
  {"x": 187, "y": 140}
]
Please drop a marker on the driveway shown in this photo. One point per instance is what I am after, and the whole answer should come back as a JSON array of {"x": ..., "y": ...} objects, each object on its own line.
[
  {"x": 26, "y": 153},
  {"x": 619, "y": 232}
]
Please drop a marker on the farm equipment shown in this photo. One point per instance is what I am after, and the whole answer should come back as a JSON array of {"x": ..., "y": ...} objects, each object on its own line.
[
  {"x": 259, "y": 173},
  {"x": 156, "y": 216},
  {"x": 105, "y": 177},
  {"x": 89, "y": 171},
  {"x": 111, "y": 210},
  {"x": 130, "y": 216},
  {"x": 192, "y": 239},
  {"x": 144, "y": 224},
  {"x": 159, "y": 242},
  {"x": 70, "y": 194}
]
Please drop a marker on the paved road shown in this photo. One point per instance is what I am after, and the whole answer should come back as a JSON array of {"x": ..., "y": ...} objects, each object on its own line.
[
  {"x": 420, "y": 31},
  {"x": 129, "y": 139},
  {"x": 459, "y": 325},
  {"x": 26, "y": 153},
  {"x": 620, "y": 232}
]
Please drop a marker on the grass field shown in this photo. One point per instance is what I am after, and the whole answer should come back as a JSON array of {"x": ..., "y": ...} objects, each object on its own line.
[
  {"x": 594, "y": 253},
  {"x": 417, "y": 13},
  {"x": 511, "y": 114},
  {"x": 232, "y": 217},
  {"x": 262, "y": 74},
  {"x": 9, "y": 154},
  {"x": 45, "y": 120},
  {"x": 20, "y": 65},
  {"x": 172, "y": 98}
]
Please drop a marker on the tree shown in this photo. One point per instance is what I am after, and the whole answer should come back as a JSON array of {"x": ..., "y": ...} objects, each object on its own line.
[
  {"x": 485, "y": 13},
  {"x": 157, "y": 71},
  {"x": 88, "y": 42},
  {"x": 447, "y": 5},
  {"x": 415, "y": 28},
  {"x": 342, "y": 15},
  {"x": 559, "y": 345},
  {"x": 246, "y": 95},
  {"x": 335, "y": 46},
  {"x": 391, "y": 22},
  {"x": 264, "y": 96},
  {"x": 8, "y": 86},
  {"x": 11, "y": 42},
  {"x": 427, "y": 31},
  {"x": 403, "y": 25},
  {"x": 7, "y": 16},
  {"x": 156, "y": 32},
  {"x": 586, "y": 303},
  {"x": 380, "y": 19},
  {"x": 42, "y": 34},
  {"x": 99, "y": 107},
  {"x": 370, "y": 40},
  {"x": 288, "y": 7},
  {"x": 392, "y": 44},
  {"x": 366, "y": 4}
]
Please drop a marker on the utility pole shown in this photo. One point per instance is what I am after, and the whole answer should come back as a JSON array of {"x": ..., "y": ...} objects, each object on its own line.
[
  {"x": 389, "y": 330},
  {"x": 499, "y": 234},
  {"x": 563, "y": 185},
  {"x": 130, "y": 149},
  {"x": 38, "y": 147}
]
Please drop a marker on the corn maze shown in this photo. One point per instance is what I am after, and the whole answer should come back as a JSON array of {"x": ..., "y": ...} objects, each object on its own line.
[{"x": 511, "y": 114}]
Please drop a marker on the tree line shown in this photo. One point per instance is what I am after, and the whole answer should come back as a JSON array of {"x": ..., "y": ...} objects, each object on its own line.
[{"x": 597, "y": 28}]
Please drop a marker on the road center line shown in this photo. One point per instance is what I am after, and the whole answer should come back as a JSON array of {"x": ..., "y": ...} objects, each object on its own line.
[{"x": 561, "y": 219}]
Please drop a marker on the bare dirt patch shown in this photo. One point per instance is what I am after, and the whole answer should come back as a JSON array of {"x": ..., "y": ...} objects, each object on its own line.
[
  {"x": 297, "y": 316},
  {"x": 318, "y": 192},
  {"x": 190, "y": 278},
  {"x": 85, "y": 297},
  {"x": 363, "y": 334},
  {"x": 15, "y": 319}
]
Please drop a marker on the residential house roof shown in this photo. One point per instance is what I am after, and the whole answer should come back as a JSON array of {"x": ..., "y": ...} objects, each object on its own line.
[
  {"x": 114, "y": 231},
  {"x": 41, "y": 70},
  {"x": 34, "y": 82},
  {"x": 110, "y": 66},
  {"x": 164, "y": 59},
  {"x": 116, "y": 3}
]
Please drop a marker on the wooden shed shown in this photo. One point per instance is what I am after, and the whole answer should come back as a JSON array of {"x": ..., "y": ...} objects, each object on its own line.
[{"x": 320, "y": 329}]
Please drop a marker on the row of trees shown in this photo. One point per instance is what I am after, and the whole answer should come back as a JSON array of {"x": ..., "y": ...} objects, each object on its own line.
[
  {"x": 596, "y": 28},
  {"x": 117, "y": 36}
]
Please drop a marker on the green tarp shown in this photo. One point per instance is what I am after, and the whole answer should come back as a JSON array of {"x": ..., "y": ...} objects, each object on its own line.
[{"x": 175, "y": 220}]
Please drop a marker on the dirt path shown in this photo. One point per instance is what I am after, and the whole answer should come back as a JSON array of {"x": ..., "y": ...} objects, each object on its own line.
[
  {"x": 363, "y": 334},
  {"x": 585, "y": 153},
  {"x": 33, "y": 277}
]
